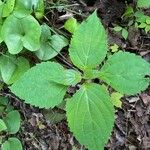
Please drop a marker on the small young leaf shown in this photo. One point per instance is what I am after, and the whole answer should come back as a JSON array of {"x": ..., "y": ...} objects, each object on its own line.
[
  {"x": 126, "y": 73},
  {"x": 19, "y": 33},
  {"x": 38, "y": 85},
  {"x": 88, "y": 48},
  {"x": 117, "y": 28},
  {"x": 129, "y": 12},
  {"x": 90, "y": 116},
  {"x": 147, "y": 28},
  {"x": 115, "y": 98},
  {"x": 143, "y": 3},
  {"x": 124, "y": 33},
  {"x": 139, "y": 14},
  {"x": 69, "y": 77},
  {"x": 71, "y": 25},
  {"x": 114, "y": 48},
  {"x": 12, "y": 144},
  {"x": 3, "y": 126},
  {"x": 54, "y": 116},
  {"x": 142, "y": 25},
  {"x": 12, "y": 121},
  {"x": 50, "y": 45}
]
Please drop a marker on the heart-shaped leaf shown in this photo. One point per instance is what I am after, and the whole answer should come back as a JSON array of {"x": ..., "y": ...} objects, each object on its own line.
[
  {"x": 24, "y": 8},
  {"x": 12, "y": 121},
  {"x": 12, "y": 144},
  {"x": 50, "y": 45},
  {"x": 90, "y": 115},
  {"x": 18, "y": 33}
]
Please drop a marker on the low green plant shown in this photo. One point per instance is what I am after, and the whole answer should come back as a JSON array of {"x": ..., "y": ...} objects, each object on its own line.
[
  {"x": 142, "y": 21},
  {"x": 18, "y": 19},
  {"x": 124, "y": 31},
  {"x": 137, "y": 18},
  {"x": 9, "y": 125},
  {"x": 90, "y": 111}
]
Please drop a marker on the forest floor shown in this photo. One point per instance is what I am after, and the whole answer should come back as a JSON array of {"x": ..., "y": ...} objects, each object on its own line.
[{"x": 132, "y": 125}]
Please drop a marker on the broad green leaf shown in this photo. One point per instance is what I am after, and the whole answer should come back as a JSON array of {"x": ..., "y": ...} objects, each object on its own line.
[
  {"x": 89, "y": 44},
  {"x": 8, "y": 7},
  {"x": 51, "y": 45},
  {"x": 2, "y": 125},
  {"x": 19, "y": 33},
  {"x": 90, "y": 116},
  {"x": 12, "y": 68},
  {"x": 126, "y": 73},
  {"x": 143, "y": 3},
  {"x": 116, "y": 99},
  {"x": 24, "y": 8},
  {"x": 12, "y": 144},
  {"x": 71, "y": 25},
  {"x": 38, "y": 87},
  {"x": 12, "y": 121}
]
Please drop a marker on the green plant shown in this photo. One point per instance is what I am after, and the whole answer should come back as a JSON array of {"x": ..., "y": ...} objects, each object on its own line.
[
  {"x": 90, "y": 112},
  {"x": 142, "y": 21},
  {"x": 17, "y": 24},
  {"x": 124, "y": 31},
  {"x": 16, "y": 31},
  {"x": 9, "y": 125},
  {"x": 137, "y": 18}
]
